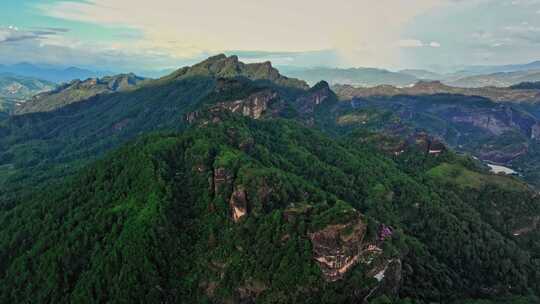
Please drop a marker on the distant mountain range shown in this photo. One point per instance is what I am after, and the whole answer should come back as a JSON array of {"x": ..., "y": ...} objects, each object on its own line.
[
  {"x": 491, "y": 69},
  {"x": 422, "y": 74},
  {"x": 468, "y": 77},
  {"x": 523, "y": 93},
  {"x": 51, "y": 73},
  {"x": 366, "y": 77},
  {"x": 78, "y": 90},
  {"x": 500, "y": 79},
  {"x": 14, "y": 89}
]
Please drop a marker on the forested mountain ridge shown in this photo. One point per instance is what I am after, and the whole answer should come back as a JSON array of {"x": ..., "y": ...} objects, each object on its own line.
[
  {"x": 17, "y": 89},
  {"x": 215, "y": 67},
  {"x": 499, "y": 125},
  {"x": 251, "y": 192},
  {"x": 78, "y": 90},
  {"x": 242, "y": 210},
  {"x": 85, "y": 129},
  {"x": 514, "y": 94}
]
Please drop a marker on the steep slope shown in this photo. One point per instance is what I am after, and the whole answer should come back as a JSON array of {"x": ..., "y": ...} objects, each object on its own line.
[
  {"x": 243, "y": 200},
  {"x": 40, "y": 143},
  {"x": 237, "y": 210},
  {"x": 78, "y": 90}
]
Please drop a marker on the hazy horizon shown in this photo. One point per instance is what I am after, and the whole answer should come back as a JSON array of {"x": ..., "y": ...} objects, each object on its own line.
[{"x": 123, "y": 36}]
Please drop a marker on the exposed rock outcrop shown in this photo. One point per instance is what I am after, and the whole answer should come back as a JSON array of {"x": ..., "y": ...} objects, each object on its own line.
[
  {"x": 253, "y": 106},
  {"x": 238, "y": 203},
  {"x": 337, "y": 248},
  {"x": 229, "y": 67},
  {"x": 315, "y": 96}
]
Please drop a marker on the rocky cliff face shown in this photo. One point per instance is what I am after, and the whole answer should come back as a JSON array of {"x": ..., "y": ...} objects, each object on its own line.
[
  {"x": 315, "y": 96},
  {"x": 496, "y": 120},
  {"x": 267, "y": 102},
  {"x": 253, "y": 106},
  {"x": 238, "y": 203},
  {"x": 337, "y": 248}
]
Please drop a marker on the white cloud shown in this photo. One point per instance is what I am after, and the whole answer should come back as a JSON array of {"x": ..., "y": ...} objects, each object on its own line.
[
  {"x": 414, "y": 43},
  {"x": 362, "y": 31},
  {"x": 523, "y": 28},
  {"x": 410, "y": 43},
  {"x": 12, "y": 34}
]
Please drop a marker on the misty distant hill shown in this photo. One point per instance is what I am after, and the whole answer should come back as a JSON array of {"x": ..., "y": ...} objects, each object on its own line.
[
  {"x": 16, "y": 89},
  {"x": 366, "y": 77},
  {"x": 500, "y": 79},
  {"x": 490, "y": 69},
  {"x": 51, "y": 73}
]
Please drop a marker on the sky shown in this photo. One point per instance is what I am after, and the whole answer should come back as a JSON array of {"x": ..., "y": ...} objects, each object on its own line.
[{"x": 138, "y": 35}]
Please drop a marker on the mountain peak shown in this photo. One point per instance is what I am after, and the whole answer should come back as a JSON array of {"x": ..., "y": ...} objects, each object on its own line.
[
  {"x": 221, "y": 66},
  {"x": 216, "y": 57},
  {"x": 321, "y": 85}
]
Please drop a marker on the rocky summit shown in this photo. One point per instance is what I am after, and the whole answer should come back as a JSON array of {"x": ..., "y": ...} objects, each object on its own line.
[{"x": 228, "y": 67}]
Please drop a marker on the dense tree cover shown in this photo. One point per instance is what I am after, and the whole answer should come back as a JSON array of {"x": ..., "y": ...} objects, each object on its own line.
[
  {"x": 145, "y": 225},
  {"x": 499, "y": 132},
  {"x": 35, "y": 147},
  {"x": 151, "y": 222}
]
